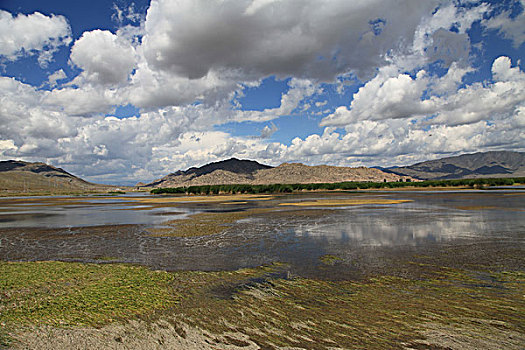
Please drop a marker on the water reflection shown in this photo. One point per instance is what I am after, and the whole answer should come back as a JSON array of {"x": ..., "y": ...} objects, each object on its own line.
[
  {"x": 361, "y": 235},
  {"x": 387, "y": 229},
  {"x": 94, "y": 213}
]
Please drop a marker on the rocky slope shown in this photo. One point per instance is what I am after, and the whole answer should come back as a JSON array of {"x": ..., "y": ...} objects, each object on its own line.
[
  {"x": 19, "y": 176},
  {"x": 487, "y": 164},
  {"x": 234, "y": 171},
  {"x": 300, "y": 173}
]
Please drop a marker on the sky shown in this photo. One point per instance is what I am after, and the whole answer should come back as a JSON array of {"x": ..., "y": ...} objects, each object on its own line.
[{"x": 127, "y": 91}]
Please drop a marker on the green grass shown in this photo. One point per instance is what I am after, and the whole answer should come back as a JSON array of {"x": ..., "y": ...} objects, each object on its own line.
[
  {"x": 329, "y": 259},
  {"x": 73, "y": 294},
  {"x": 116, "y": 192}
]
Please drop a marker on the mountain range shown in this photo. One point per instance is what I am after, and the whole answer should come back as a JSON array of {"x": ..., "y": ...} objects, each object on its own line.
[
  {"x": 476, "y": 165},
  {"x": 235, "y": 171},
  {"x": 19, "y": 176}
]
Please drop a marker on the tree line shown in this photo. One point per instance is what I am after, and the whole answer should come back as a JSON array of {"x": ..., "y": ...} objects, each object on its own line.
[{"x": 289, "y": 188}]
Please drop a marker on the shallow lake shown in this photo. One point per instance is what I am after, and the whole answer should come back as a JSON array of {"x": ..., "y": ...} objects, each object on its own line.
[{"x": 357, "y": 238}]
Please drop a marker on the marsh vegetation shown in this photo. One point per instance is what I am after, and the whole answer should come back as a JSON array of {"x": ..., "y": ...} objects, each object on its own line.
[{"x": 289, "y": 188}]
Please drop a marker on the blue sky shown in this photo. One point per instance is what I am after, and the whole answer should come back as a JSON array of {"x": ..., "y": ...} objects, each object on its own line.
[{"x": 127, "y": 91}]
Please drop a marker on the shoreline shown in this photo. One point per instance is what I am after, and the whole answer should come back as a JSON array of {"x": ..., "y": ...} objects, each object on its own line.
[
  {"x": 435, "y": 305},
  {"x": 208, "y": 190}
]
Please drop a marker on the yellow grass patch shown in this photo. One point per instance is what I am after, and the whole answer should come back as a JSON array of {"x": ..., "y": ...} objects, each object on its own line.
[
  {"x": 202, "y": 224},
  {"x": 201, "y": 199},
  {"x": 345, "y": 202},
  {"x": 475, "y": 207}
]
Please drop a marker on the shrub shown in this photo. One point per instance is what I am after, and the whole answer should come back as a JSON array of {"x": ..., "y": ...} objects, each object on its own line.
[{"x": 288, "y": 188}]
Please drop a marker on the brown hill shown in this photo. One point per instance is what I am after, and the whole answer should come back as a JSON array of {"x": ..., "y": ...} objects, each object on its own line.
[
  {"x": 300, "y": 173},
  {"x": 25, "y": 177},
  {"x": 259, "y": 174}
]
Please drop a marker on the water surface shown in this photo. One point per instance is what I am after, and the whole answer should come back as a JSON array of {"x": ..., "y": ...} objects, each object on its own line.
[{"x": 476, "y": 225}]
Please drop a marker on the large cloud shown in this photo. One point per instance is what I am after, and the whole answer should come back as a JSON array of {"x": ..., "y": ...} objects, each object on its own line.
[
  {"x": 200, "y": 50},
  {"x": 304, "y": 38},
  {"x": 192, "y": 51},
  {"x": 30, "y": 34}
]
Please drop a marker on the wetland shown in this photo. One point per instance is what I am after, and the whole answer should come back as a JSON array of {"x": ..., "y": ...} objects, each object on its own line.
[{"x": 313, "y": 270}]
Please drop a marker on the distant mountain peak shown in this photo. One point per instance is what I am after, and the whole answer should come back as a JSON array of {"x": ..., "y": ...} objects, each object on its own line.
[
  {"x": 234, "y": 165},
  {"x": 480, "y": 164}
]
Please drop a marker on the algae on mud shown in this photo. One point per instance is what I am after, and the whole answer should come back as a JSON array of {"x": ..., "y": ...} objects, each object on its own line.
[
  {"x": 330, "y": 259},
  {"x": 380, "y": 312},
  {"x": 269, "y": 309}
]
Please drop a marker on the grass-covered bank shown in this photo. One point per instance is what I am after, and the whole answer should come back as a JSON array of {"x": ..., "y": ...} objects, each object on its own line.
[
  {"x": 62, "y": 294},
  {"x": 436, "y": 307},
  {"x": 288, "y": 188}
]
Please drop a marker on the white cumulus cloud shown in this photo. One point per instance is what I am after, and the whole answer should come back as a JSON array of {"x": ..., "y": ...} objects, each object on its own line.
[
  {"x": 32, "y": 34},
  {"x": 104, "y": 58},
  {"x": 401, "y": 96},
  {"x": 385, "y": 97}
]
